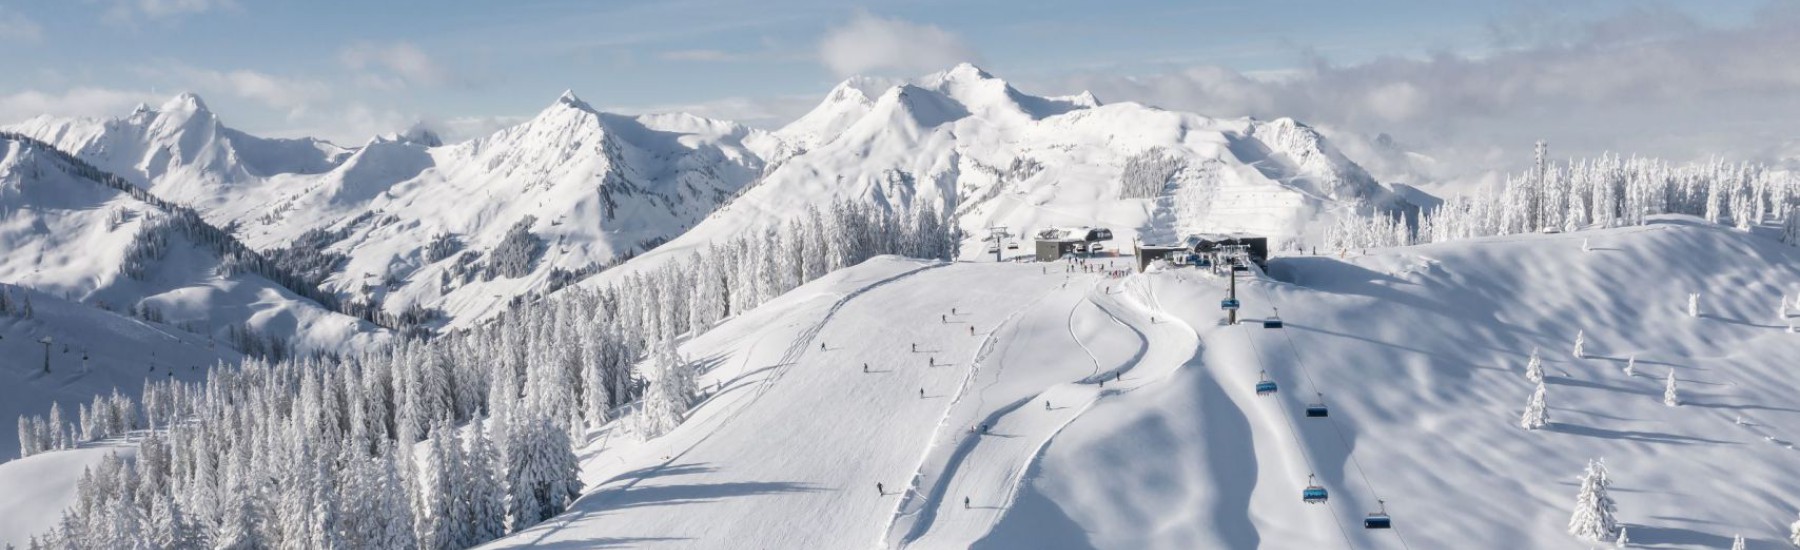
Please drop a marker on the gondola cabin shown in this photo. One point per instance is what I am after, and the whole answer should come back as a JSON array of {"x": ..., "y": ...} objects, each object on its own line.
[
  {"x": 1265, "y": 386},
  {"x": 1272, "y": 323},
  {"x": 1379, "y": 519},
  {"x": 1314, "y": 493},
  {"x": 1317, "y": 409}
]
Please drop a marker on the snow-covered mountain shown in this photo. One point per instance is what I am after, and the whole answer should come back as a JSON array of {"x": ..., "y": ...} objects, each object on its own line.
[
  {"x": 967, "y": 143},
  {"x": 68, "y": 233},
  {"x": 408, "y": 223}
]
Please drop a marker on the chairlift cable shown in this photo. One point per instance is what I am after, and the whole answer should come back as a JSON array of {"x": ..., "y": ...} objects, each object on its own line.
[{"x": 1345, "y": 441}]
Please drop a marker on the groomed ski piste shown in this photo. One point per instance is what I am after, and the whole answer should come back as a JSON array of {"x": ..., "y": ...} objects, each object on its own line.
[{"x": 1419, "y": 352}]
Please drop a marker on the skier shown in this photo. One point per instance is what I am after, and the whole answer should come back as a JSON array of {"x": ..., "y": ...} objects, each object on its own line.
[
  {"x": 942, "y": 318},
  {"x": 953, "y": 311},
  {"x": 1103, "y": 383},
  {"x": 1046, "y": 404},
  {"x": 921, "y": 393},
  {"x": 865, "y": 368},
  {"x": 965, "y": 502},
  {"x": 879, "y": 489},
  {"x": 821, "y": 346},
  {"x": 931, "y": 361},
  {"x": 1117, "y": 375},
  {"x": 915, "y": 347},
  {"x": 971, "y": 330},
  {"x": 983, "y": 427}
]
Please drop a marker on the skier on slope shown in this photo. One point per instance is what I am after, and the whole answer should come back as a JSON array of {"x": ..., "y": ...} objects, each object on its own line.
[
  {"x": 821, "y": 346},
  {"x": 921, "y": 393},
  {"x": 971, "y": 330},
  {"x": 915, "y": 347},
  {"x": 865, "y": 368},
  {"x": 965, "y": 502},
  {"x": 880, "y": 489}
]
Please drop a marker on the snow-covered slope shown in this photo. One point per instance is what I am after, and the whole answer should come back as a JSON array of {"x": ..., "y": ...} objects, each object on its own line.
[
  {"x": 965, "y": 142},
  {"x": 67, "y": 235},
  {"x": 1419, "y": 352}
]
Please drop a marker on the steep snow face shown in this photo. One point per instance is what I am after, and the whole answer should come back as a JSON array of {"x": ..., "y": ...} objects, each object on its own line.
[{"x": 966, "y": 143}]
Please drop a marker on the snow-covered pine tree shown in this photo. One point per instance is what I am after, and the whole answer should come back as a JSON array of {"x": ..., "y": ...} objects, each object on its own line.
[
  {"x": 543, "y": 475},
  {"x": 1794, "y": 533},
  {"x": 1537, "y": 413},
  {"x": 1580, "y": 343},
  {"x": 1593, "y": 516},
  {"x": 1737, "y": 542},
  {"x": 1631, "y": 365},
  {"x": 484, "y": 519},
  {"x": 1534, "y": 368},
  {"x": 1624, "y": 538},
  {"x": 1670, "y": 396},
  {"x": 1693, "y": 305},
  {"x": 671, "y": 392}
]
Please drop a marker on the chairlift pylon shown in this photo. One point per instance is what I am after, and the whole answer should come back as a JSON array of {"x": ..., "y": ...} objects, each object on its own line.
[
  {"x": 1314, "y": 493},
  {"x": 1317, "y": 409},
  {"x": 1379, "y": 519}
]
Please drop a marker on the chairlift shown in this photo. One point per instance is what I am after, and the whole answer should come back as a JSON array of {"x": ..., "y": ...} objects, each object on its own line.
[
  {"x": 1379, "y": 519},
  {"x": 1014, "y": 245},
  {"x": 1317, "y": 409},
  {"x": 1239, "y": 267},
  {"x": 1265, "y": 386},
  {"x": 1314, "y": 493},
  {"x": 1271, "y": 323},
  {"x": 1229, "y": 304}
]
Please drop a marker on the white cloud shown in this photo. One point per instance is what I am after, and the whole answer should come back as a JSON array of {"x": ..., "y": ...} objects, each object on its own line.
[
  {"x": 82, "y": 102},
  {"x": 131, "y": 11},
  {"x": 1646, "y": 81},
  {"x": 16, "y": 27},
  {"x": 869, "y": 44},
  {"x": 392, "y": 66},
  {"x": 290, "y": 94},
  {"x": 758, "y": 112}
]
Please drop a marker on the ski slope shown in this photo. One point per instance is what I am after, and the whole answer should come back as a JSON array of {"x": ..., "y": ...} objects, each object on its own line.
[{"x": 1418, "y": 351}]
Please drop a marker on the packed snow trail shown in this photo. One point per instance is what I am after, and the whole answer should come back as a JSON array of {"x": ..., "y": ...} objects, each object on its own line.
[
  {"x": 989, "y": 468},
  {"x": 822, "y": 433}
]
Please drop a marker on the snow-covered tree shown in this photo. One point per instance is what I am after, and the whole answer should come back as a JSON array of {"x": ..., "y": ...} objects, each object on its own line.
[
  {"x": 1794, "y": 533},
  {"x": 1631, "y": 365},
  {"x": 543, "y": 475},
  {"x": 1624, "y": 538},
  {"x": 671, "y": 392},
  {"x": 1593, "y": 516},
  {"x": 1693, "y": 305},
  {"x": 1534, "y": 367},
  {"x": 1670, "y": 396},
  {"x": 1580, "y": 343},
  {"x": 1537, "y": 414},
  {"x": 1737, "y": 542}
]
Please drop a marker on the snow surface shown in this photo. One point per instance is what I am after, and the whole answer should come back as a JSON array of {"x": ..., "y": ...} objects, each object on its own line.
[{"x": 1419, "y": 351}]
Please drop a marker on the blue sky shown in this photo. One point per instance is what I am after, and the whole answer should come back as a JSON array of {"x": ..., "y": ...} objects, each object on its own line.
[{"x": 345, "y": 70}]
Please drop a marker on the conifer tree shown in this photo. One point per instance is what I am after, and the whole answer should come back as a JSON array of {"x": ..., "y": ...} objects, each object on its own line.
[
  {"x": 1670, "y": 396},
  {"x": 1580, "y": 344},
  {"x": 1631, "y": 365},
  {"x": 1737, "y": 542},
  {"x": 543, "y": 475},
  {"x": 1537, "y": 414},
  {"x": 485, "y": 517},
  {"x": 1534, "y": 368},
  {"x": 1693, "y": 305},
  {"x": 1594, "y": 509}
]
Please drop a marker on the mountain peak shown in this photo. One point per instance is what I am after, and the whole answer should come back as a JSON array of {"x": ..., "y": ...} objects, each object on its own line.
[
  {"x": 568, "y": 98},
  {"x": 185, "y": 102}
]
